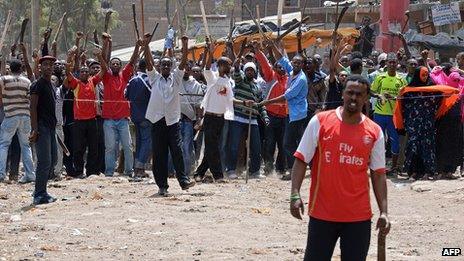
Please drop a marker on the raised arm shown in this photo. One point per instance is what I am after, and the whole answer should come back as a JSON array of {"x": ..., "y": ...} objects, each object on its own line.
[
  {"x": 70, "y": 65},
  {"x": 79, "y": 36},
  {"x": 104, "y": 66},
  {"x": 209, "y": 53},
  {"x": 46, "y": 37},
  {"x": 135, "y": 53},
  {"x": 147, "y": 53},
  {"x": 183, "y": 60}
]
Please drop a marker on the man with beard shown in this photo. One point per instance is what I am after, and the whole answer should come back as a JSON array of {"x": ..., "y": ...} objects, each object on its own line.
[{"x": 342, "y": 144}]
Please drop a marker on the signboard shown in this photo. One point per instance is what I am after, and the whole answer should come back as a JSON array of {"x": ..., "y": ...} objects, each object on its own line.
[{"x": 444, "y": 14}]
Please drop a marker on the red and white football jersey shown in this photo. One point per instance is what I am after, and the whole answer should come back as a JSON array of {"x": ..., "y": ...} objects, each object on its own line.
[{"x": 341, "y": 154}]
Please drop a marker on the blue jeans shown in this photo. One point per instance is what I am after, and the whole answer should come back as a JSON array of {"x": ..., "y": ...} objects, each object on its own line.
[
  {"x": 386, "y": 123},
  {"x": 188, "y": 153},
  {"x": 236, "y": 130},
  {"x": 46, "y": 158},
  {"x": 142, "y": 143},
  {"x": 117, "y": 131},
  {"x": 21, "y": 125}
]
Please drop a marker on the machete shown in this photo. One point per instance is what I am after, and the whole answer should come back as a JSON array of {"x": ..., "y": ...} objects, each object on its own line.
[{"x": 23, "y": 30}]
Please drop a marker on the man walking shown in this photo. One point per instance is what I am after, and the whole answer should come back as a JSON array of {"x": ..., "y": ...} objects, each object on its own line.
[
  {"x": 14, "y": 94},
  {"x": 164, "y": 112},
  {"x": 342, "y": 145}
]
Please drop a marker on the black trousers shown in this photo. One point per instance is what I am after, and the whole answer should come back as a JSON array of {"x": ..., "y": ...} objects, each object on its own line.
[
  {"x": 323, "y": 235},
  {"x": 69, "y": 141},
  {"x": 275, "y": 136},
  {"x": 293, "y": 133},
  {"x": 166, "y": 138},
  {"x": 85, "y": 137},
  {"x": 212, "y": 126}
]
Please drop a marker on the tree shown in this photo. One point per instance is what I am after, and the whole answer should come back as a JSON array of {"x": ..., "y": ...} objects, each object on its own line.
[{"x": 82, "y": 15}]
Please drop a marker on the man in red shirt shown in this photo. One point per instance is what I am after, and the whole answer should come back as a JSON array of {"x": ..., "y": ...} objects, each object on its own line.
[
  {"x": 276, "y": 79},
  {"x": 116, "y": 112},
  {"x": 85, "y": 113},
  {"x": 342, "y": 145}
]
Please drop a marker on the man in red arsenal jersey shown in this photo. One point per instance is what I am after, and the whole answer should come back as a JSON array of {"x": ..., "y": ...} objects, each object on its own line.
[{"x": 343, "y": 145}]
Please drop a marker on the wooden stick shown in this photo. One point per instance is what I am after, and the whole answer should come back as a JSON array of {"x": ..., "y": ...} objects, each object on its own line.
[
  {"x": 293, "y": 27},
  {"x": 254, "y": 21},
  {"x": 258, "y": 17},
  {"x": 59, "y": 27},
  {"x": 280, "y": 6},
  {"x": 134, "y": 16},
  {"x": 205, "y": 21},
  {"x": 5, "y": 29},
  {"x": 143, "y": 17},
  {"x": 248, "y": 143}
]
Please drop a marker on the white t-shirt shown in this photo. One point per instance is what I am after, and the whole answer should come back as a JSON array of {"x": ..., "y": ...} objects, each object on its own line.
[{"x": 219, "y": 96}]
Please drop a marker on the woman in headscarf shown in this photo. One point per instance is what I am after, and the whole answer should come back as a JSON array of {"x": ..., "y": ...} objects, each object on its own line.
[
  {"x": 449, "y": 128},
  {"x": 418, "y": 107}
]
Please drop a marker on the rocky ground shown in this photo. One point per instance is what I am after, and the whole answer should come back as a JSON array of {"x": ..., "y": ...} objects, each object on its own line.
[{"x": 114, "y": 219}]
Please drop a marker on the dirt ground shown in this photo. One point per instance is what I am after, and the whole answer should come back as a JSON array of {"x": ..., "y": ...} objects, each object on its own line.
[{"x": 114, "y": 219}]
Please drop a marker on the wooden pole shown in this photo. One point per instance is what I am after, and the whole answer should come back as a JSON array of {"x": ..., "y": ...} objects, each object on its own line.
[
  {"x": 205, "y": 21},
  {"x": 280, "y": 6},
  {"x": 59, "y": 27},
  {"x": 143, "y": 17},
  {"x": 35, "y": 10}
]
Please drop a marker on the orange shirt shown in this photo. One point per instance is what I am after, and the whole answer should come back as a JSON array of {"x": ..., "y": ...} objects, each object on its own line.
[
  {"x": 341, "y": 155},
  {"x": 85, "y": 95}
]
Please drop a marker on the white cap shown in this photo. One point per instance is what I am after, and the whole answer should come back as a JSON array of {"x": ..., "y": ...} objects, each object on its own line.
[
  {"x": 249, "y": 65},
  {"x": 382, "y": 57}
]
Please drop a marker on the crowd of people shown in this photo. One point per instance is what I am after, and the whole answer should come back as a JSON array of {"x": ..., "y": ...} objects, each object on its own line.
[{"x": 84, "y": 116}]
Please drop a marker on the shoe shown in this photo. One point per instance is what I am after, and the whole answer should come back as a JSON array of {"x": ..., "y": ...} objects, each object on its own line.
[
  {"x": 163, "y": 191},
  {"x": 25, "y": 179},
  {"x": 221, "y": 180},
  {"x": 232, "y": 175},
  {"x": 43, "y": 200},
  {"x": 286, "y": 177},
  {"x": 13, "y": 177},
  {"x": 257, "y": 175},
  {"x": 187, "y": 184},
  {"x": 198, "y": 178},
  {"x": 2, "y": 179},
  {"x": 208, "y": 179}
]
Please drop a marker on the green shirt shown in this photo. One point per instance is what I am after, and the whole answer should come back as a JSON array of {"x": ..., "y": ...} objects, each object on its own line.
[{"x": 384, "y": 83}]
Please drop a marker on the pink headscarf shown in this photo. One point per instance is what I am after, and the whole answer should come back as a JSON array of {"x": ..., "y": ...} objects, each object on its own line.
[{"x": 454, "y": 80}]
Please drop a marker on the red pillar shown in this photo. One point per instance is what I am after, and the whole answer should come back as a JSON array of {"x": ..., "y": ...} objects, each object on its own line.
[{"x": 392, "y": 18}]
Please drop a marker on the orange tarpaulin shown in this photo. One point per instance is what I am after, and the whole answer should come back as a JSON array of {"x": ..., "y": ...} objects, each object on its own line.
[{"x": 290, "y": 41}]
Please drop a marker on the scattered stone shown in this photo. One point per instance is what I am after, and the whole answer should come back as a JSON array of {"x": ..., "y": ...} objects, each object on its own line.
[
  {"x": 119, "y": 180},
  {"x": 193, "y": 210},
  {"x": 39, "y": 254},
  {"x": 4, "y": 196},
  {"x": 15, "y": 218},
  {"x": 421, "y": 188},
  {"x": 76, "y": 232},
  {"x": 97, "y": 196},
  {"x": 131, "y": 220},
  {"x": 297, "y": 251},
  {"x": 264, "y": 211},
  {"x": 50, "y": 248}
]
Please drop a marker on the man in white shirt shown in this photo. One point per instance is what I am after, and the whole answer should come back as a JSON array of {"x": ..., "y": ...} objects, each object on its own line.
[
  {"x": 164, "y": 112},
  {"x": 218, "y": 105}
]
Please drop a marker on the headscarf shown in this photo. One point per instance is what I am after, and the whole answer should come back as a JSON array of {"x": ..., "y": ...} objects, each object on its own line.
[{"x": 421, "y": 77}]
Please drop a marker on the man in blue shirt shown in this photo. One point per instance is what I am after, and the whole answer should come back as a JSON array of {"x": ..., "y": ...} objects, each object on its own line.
[
  {"x": 138, "y": 93},
  {"x": 296, "y": 97}
]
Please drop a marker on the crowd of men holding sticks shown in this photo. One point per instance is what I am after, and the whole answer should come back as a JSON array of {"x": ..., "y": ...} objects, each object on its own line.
[{"x": 259, "y": 107}]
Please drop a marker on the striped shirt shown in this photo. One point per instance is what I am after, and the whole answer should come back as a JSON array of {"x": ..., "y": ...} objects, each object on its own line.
[{"x": 15, "y": 95}]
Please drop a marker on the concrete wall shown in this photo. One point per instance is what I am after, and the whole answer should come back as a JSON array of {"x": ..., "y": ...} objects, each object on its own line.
[{"x": 155, "y": 11}]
